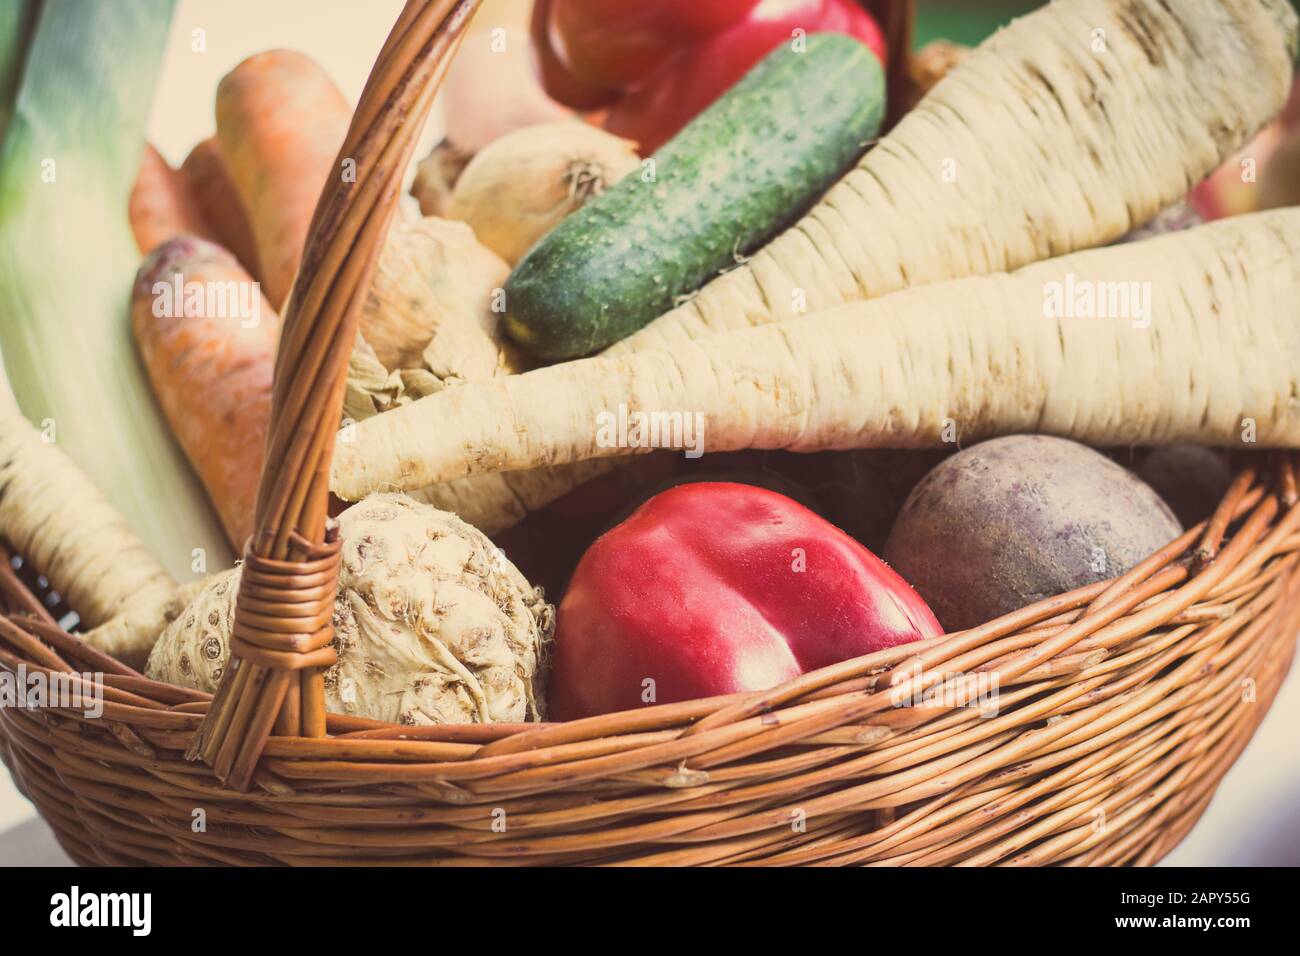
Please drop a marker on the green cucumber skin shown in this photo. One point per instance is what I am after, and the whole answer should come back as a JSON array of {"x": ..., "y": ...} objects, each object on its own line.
[{"x": 737, "y": 175}]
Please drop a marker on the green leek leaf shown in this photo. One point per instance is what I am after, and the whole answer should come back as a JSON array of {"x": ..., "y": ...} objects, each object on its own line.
[{"x": 16, "y": 19}]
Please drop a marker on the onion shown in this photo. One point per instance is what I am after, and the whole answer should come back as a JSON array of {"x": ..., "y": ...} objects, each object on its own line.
[{"x": 519, "y": 187}]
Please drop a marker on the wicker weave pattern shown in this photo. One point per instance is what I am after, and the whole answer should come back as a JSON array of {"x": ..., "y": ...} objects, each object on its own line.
[
  {"x": 1120, "y": 707},
  {"x": 1117, "y": 708}
]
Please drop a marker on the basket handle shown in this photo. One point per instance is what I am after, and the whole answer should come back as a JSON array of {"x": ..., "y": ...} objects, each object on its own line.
[{"x": 281, "y": 642}]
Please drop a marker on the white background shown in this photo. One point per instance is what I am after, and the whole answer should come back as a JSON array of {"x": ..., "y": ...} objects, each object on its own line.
[{"x": 1254, "y": 819}]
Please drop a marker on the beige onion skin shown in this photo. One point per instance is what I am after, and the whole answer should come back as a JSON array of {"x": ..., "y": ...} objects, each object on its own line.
[{"x": 519, "y": 187}]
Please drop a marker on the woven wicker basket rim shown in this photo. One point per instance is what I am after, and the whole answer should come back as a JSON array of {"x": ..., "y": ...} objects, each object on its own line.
[{"x": 1124, "y": 697}]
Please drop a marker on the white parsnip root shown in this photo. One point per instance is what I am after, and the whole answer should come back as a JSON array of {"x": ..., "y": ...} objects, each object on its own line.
[
  {"x": 1061, "y": 132},
  {"x": 1189, "y": 337},
  {"x": 55, "y": 517}
]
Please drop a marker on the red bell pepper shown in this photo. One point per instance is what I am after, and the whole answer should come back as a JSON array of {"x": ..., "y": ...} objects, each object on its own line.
[
  {"x": 615, "y": 44},
  {"x": 713, "y": 588},
  {"x": 657, "y": 65}
]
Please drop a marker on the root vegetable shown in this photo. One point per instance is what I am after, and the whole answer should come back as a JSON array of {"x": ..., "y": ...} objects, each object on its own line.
[
  {"x": 131, "y": 634},
  {"x": 162, "y": 204},
  {"x": 432, "y": 624},
  {"x": 1099, "y": 143},
  {"x": 209, "y": 348},
  {"x": 1206, "y": 351},
  {"x": 932, "y": 63},
  {"x": 55, "y": 517},
  {"x": 500, "y": 500},
  {"x": 1192, "y": 480},
  {"x": 431, "y": 301},
  {"x": 210, "y": 182},
  {"x": 280, "y": 122},
  {"x": 436, "y": 176},
  {"x": 1035, "y": 145},
  {"x": 1015, "y": 520},
  {"x": 520, "y": 186},
  {"x": 429, "y": 304},
  {"x": 430, "y": 273}
]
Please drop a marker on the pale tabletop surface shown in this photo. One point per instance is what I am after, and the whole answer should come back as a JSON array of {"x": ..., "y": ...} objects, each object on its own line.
[{"x": 1255, "y": 817}]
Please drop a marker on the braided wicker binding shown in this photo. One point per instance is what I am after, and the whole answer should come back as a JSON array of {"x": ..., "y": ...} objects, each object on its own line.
[{"x": 1120, "y": 705}]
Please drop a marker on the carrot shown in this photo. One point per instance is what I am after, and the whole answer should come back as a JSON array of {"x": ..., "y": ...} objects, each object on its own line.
[
  {"x": 1063, "y": 131},
  {"x": 280, "y": 122},
  {"x": 1188, "y": 337},
  {"x": 214, "y": 191},
  {"x": 161, "y": 204},
  {"x": 208, "y": 338}
]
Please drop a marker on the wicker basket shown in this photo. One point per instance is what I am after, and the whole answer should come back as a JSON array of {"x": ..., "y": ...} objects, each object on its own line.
[{"x": 1120, "y": 706}]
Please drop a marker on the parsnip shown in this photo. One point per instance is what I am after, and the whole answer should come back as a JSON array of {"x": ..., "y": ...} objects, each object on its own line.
[
  {"x": 55, "y": 517},
  {"x": 1061, "y": 132},
  {"x": 1192, "y": 337}
]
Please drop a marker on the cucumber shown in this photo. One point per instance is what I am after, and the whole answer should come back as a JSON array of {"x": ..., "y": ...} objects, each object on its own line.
[{"x": 734, "y": 177}]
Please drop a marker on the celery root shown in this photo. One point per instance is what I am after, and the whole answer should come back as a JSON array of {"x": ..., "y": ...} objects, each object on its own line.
[
  {"x": 1194, "y": 339},
  {"x": 1061, "y": 132}
]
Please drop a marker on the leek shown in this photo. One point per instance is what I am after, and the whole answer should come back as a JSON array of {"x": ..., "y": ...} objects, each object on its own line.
[
  {"x": 16, "y": 18},
  {"x": 67, "y": 261}
]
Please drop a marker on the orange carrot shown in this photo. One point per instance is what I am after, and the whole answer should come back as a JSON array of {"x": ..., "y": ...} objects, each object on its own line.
[
  {"x": 207, "y": 337},
  {"x": 161, "y": 205},
  {"x": 280, "y": 121},
  {"x": 213, "y": 188}
]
